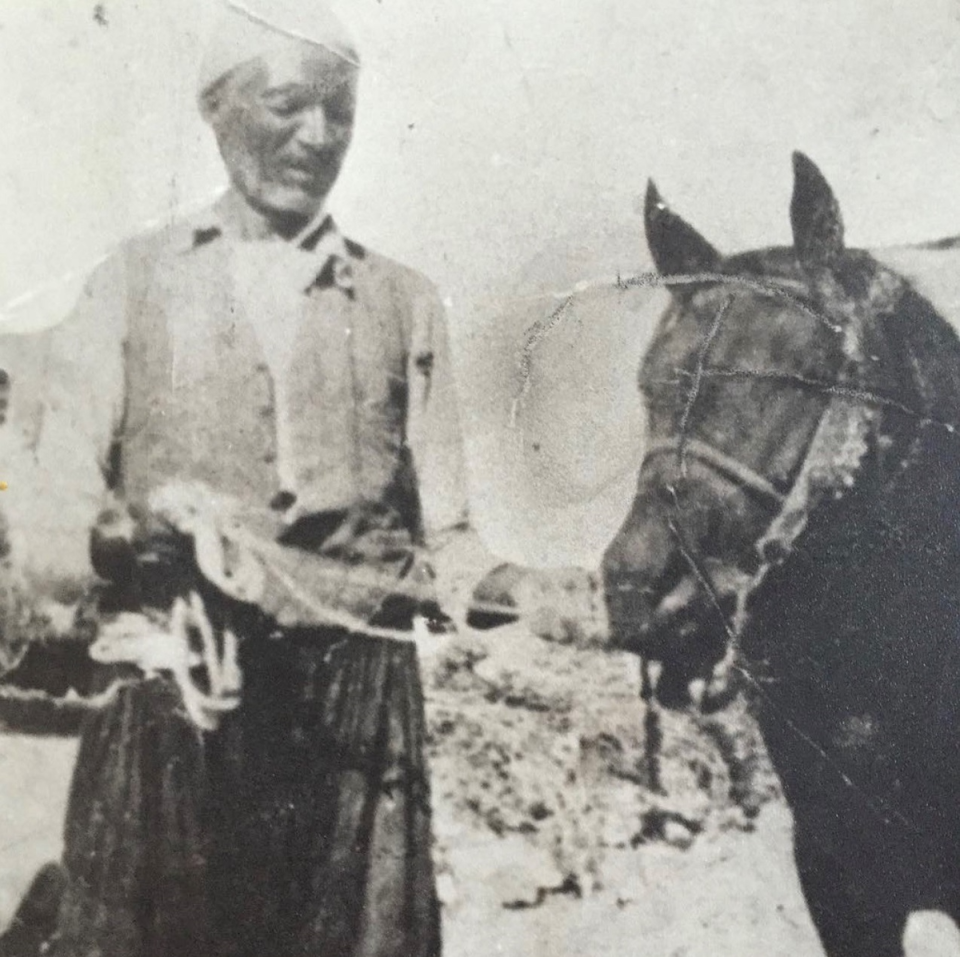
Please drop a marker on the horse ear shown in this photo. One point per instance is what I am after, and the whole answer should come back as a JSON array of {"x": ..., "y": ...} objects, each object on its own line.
[
  {"x": 814, "y": 215},
  {"x": 677, "y": 248}
]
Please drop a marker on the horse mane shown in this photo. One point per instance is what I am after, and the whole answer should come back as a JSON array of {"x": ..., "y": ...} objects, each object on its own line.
[
  {"x": 933, "y": 348},
  {"x": 916, "y": 404},
  {"x": 859, "y": 573},
  {"x": 895, "y": 309}
]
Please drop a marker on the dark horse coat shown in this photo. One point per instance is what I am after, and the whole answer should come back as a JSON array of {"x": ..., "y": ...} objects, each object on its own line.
[
  {"x": 856, "y": 637},
  {"x": 835, "y": 520}
]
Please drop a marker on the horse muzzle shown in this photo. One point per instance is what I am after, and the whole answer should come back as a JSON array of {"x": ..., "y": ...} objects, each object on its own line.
[
  {"x": 678, "y": 685},
  {"x": 682, "y": 635}
]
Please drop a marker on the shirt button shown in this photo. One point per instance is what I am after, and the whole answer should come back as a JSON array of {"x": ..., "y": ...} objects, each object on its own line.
[
  {"x": 266, "y": 411},
  {"x": 270, "y": 458}
]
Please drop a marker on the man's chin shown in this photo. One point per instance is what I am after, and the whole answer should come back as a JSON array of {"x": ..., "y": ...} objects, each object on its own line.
[{"x": 289, "y": 206}]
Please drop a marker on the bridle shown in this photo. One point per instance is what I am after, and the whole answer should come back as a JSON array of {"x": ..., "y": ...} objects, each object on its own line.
[
  {"x": 833, "y": 457},
  {"x": 755, "y": 486},
  {"x": 786, "y": 507},
  {"x": 730, "y": 468}
]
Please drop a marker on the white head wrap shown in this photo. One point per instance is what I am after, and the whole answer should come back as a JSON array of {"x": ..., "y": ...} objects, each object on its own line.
[{"x": 251, "y": 28}]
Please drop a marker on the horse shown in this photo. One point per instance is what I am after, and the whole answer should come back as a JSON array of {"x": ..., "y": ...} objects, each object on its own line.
[{"x": 795, "y": 534}]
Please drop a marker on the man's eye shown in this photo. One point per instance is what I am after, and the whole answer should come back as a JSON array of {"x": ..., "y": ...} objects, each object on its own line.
[{"x": 283, "y": 108}]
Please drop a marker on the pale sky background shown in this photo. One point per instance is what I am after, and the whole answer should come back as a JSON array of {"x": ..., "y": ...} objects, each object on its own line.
[{"x": 503, "y": 148}]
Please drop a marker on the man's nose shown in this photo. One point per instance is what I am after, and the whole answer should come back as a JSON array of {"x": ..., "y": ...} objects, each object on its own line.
[{"x": 314, "y": 130}]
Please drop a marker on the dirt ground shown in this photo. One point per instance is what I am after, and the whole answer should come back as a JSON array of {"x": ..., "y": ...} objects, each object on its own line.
[{"x": 558, "y": 831}]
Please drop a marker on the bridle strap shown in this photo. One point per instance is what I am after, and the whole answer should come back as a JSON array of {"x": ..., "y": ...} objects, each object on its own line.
[{"x": 732, "y": 469}]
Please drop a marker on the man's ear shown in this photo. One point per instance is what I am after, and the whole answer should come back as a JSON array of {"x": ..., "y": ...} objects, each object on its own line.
[
  {"x": 211, "y": 99},
  {"x": 209, "y": 105}
]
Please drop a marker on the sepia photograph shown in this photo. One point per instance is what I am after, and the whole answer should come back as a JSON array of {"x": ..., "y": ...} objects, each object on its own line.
[{"x": 480, "y": 479}]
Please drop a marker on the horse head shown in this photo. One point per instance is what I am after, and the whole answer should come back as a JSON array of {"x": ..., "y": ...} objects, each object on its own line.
[{"x": 750, "y": 386}]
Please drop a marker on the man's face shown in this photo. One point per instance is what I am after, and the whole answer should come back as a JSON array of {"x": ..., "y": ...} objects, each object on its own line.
[{"x": 283, "y": 123}]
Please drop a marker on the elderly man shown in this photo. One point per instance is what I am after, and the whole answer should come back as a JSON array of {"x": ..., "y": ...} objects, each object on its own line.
[{"x": 255, "y": 352}]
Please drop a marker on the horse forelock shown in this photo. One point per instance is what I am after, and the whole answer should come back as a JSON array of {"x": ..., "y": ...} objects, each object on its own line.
[
  {"x": 932, "y": 348},
  {"x": 857, "y": 286}
]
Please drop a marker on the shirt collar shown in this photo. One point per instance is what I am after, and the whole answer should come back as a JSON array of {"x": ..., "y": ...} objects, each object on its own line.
[{"x": 321, "y": 237}]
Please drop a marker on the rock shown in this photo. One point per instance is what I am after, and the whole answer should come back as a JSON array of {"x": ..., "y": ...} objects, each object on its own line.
[
  {"x": 447, "y": 891},
  {"x": 677, "y": 834},
  {"x": 631, "y": 891},
  {"x": 623, "y": 814},
  {"x": 516, "y": 871}
]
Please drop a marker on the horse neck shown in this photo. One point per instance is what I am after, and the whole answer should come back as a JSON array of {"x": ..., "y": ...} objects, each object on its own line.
[{"x": 871, "y": 583}]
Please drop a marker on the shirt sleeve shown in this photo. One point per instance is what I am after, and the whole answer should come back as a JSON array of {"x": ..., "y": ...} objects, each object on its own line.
[
  {"x": 433, "y": 421},
  {"x": 458, "y": 554},
  {"x": 66, "y": 388}
]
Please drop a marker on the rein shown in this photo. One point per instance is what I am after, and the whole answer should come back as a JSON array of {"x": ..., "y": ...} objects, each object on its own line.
[{"x": 729, "y": 467}]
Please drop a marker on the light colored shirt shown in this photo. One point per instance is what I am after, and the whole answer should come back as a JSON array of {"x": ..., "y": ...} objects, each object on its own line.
[{"x": 172, "y": 366}]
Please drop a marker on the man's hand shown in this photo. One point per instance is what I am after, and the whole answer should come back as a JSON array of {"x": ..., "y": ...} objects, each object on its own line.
[
  {"x": 178, "y": 647},
  {"x": 560, "y": 604},
  {"x": 494, "y": 601}
]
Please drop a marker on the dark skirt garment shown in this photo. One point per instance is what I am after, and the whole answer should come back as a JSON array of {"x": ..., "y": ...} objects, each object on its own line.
[{"x": 300, "y": 827}]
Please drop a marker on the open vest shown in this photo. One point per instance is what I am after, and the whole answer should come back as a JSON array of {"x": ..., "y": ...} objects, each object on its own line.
[{"x": 201, "y": 403}]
